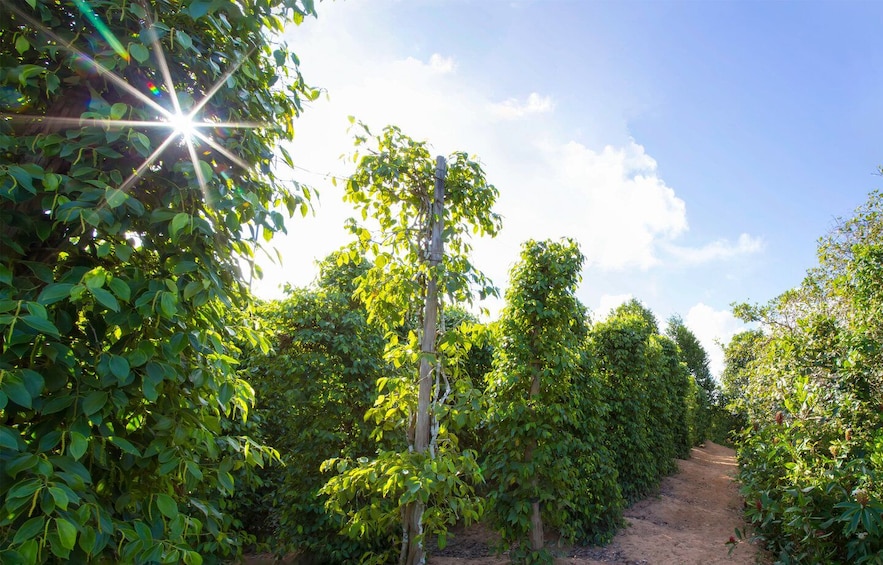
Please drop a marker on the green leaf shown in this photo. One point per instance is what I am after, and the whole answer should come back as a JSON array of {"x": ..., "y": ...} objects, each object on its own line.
[
  {"x": 29, "y": 530},
  {"x": 180, "y": 220},
  {"x": 184, "y": 39},
  {"x": 115, "y": 198},
  {"x": 94, "y": 402},
  {"x": 206, "y": 169},
  {"x": 167, "y": 506},
  {"x": 169, "y": 304},
  {"x": 124, "y": 445},
  {"x": 5, "y": 275},
  {"x": 33, "y": 381},
  {"x": 226, "y": 480},
  {"x": 198, "y": 9},
  {"x": 192, "y": 558},
  {"x": 95, "y": 278},
  {"x": 55, "y": 293},
  {"x": 9, "y": 438},
  {"x": 105, "y": 298},
  {"x": 117, "y": 111},
  {"x": 17, "y": 392},
  {"x": 60, "y": 497},
  {"x": 184, "y": 267},
  {"x": 121, "y": 289},
  {"x": 51, "y": 181},
  {"x": 78, "y": 445},
  {"x": 139, "y": 52},
  {"x": 42, "y": 325},
  {"x": 22, "y": 44},
  {"x": 29, "y": 551},
  {"x": 67, "y": 533},
  {"x": 119, "y": 366}
]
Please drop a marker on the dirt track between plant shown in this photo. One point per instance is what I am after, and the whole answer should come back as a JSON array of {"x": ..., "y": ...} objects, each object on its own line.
[{"x": 687, "y": 523}]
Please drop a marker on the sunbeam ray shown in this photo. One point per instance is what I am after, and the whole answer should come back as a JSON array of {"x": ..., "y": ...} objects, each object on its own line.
[
  {"x": 106, "y": 123},
  {"x": 163, "y": 66},
  {"x": 102, "y": 28},
  {"x": 221, "y": 149},
  {"x": 136, "y": 175},
  {"x": 217, "y": 86},
  {"x": 200, "y": 177}
]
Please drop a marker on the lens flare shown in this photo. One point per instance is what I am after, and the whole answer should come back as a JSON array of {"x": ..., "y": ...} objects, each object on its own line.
[
  {"x": 102, "y": 29},
  {"x": 152, "y": 88}
]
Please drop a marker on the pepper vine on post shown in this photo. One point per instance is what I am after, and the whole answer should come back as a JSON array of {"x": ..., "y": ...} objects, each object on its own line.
[{"x": 417, "y": 217}]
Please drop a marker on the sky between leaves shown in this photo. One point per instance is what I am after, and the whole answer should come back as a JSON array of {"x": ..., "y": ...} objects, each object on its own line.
[{"x": 696, "y": 150}]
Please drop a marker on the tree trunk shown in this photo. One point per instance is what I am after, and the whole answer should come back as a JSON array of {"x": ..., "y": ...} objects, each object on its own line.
[{"x": 412, "y": 548}]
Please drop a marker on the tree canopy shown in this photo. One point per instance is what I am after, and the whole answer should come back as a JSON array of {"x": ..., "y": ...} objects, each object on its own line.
[{"x": 121, "y": 237}]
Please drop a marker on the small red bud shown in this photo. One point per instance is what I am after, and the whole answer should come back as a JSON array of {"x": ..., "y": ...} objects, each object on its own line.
[
  {"x": 732, "y": 540},
  {"x": 779, "y": 417},
  {"x": 758, "y": 505}
]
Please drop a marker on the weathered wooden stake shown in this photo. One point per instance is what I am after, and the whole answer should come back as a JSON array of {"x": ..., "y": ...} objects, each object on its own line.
[{"x": 414, "y": 513}]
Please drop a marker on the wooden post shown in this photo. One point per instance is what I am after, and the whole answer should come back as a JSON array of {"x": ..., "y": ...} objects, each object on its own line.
[
  {"x": 414, "y": 514},
  {"x": 537, "y": 537}
]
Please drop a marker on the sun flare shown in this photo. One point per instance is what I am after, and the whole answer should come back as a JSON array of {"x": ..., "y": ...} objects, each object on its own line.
[{"x": 183, "y": 125}]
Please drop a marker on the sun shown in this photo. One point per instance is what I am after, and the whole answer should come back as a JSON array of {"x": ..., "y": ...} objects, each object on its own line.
[{"x": 183, "y": 125}]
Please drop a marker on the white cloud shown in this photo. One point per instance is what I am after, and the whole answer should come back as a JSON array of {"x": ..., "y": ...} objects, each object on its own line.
[
  {"x": 442, "y": 64},
  {"x": 716, "y": 250},
  {"x": 610, "y": 198},
  {"x": 512, "y": 108},
  {"x": 607, "y": 303},
  {"x": 714, "y": 329}
]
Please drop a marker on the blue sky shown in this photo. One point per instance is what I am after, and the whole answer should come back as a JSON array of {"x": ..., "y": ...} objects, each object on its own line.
[{"x": 696, "y": 150}]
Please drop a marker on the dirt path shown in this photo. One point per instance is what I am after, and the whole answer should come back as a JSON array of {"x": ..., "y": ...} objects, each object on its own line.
[{"x": 688, "y": 523}]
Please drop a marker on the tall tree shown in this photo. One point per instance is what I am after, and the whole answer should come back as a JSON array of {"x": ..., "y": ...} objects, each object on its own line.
[
  {"x": 395, "y": 189},
  {"x": 134, "y": 177},
  {"x": 693, "y": 354}
]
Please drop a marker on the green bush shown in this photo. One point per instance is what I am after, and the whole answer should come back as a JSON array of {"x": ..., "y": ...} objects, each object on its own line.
[
  {"x": 117, "y": 369},
  {"x": 313, "y": 391},
  {"x": 545, "y": 458},
  {"x": 809, "y": 387}
]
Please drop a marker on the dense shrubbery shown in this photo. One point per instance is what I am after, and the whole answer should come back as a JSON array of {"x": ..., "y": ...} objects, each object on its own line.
[
  {"x": 545, "y": 458},
  {"x": 313, "y": 390},
  {"x": 565, "y": 402},
  {"x": 646, "y": 393},
  {"x": 118, "y": 389},
  {"x": 810, "y": 387}
]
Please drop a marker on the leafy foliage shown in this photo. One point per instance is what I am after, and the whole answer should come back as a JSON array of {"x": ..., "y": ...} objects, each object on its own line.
[
  {"x": 392, "y": 189},
  {"x": 117, "y": 371},
  {"x": 313, "y": 391},
  {"x": 696, "y": 359},
  {"x": 810, "y": 388},
  {"x": 645, "y": 389},
  {"x": 539, "y": 456}
]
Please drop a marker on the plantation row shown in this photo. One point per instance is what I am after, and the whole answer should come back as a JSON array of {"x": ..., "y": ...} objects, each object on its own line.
[
  {"x": 553, "y": 421},
  {"x": 810, "y": 388}
]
